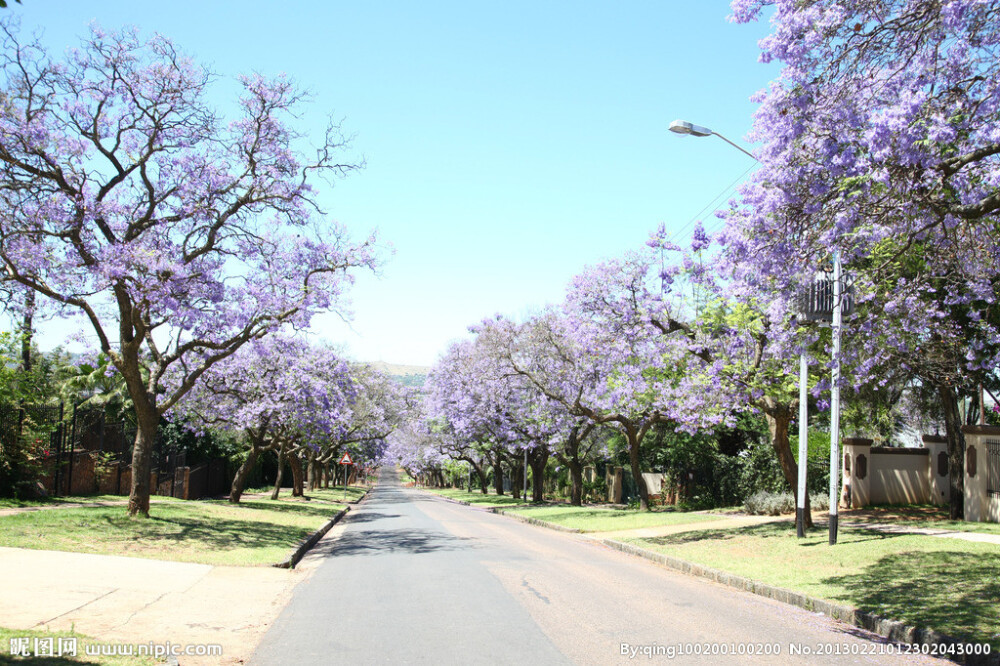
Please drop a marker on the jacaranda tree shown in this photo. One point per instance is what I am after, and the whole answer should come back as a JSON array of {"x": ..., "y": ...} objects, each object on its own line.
[
  {"x": 180, "y": 237},
  {"x": 881, "y": 140},
  {"x": 279, "y": 393}
]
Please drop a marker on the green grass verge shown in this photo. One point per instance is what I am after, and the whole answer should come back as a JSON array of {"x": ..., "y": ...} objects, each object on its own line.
[
  {"x": 476, "y": 498},
  {"x": 354, "y": 493},
  {"x": 591, "y": 519},
  {"x": 63, "y": 639},
  {"x": 255, "y": 532},
  {"x": 9, "y": 503},
  {"x": 335, "y": 494},
  {"x": 949, "y": 585}
]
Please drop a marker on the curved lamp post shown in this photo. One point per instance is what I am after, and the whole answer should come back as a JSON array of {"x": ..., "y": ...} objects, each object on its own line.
[
  {"x": 819, "y": 306},
  {"x": 684, "y": 127}
]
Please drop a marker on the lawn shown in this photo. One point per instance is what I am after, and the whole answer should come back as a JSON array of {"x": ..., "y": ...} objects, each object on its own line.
[
  {"x": 595, "y": 519},
  {"x": 354, "y": 493},
  {"x": 949, "y": 585},
  {"x": 65, "y": 640},
  {"x": 9, "y": 503},
  {"x": 255, "y": 532},
  {"x": 476, "y": 498},
  {"x": 334, "y": 494}
]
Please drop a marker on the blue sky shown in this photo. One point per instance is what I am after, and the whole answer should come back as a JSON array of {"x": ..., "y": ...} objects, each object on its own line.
[{"x": 508, "y": 145}]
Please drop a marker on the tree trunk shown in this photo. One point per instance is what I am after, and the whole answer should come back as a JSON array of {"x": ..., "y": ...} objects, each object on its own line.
[
  {"x": 538, "y": 458},
  {"x": 956, "y": 450},
  {"x": 27, "y": 330},
  {"x": 295, "y": 464},
  {"x": 633, "y": 460},
  {"x": 576, "y": 479},
  {"x": 312, "y": 471},
  {"x": 498, "y": 477},
  {"x": 281, "y": 473},
  {"x": 570, "y": 456},
  {"x": 240, "y": 480},
  {"x": 142, "y": 455},
  {"x": 778, "y": 417},
  {"x": 516, "y": 480}
]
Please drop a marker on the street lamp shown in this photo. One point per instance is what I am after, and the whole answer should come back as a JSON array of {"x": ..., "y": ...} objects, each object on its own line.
[{"x": 684, "y": 127}]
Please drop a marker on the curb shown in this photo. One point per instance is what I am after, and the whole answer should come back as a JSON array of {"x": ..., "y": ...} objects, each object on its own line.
[
  {"x": 893, "y": 630},
  {"x": 311, "y": 540},
  {"x": 447, "y": 499}
]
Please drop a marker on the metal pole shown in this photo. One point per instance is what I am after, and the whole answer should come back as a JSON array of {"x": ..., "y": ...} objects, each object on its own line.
[
  {"x": 835, "y": 402},
  {"x": 72, "y": 443},
  {"x": 800, "y": 509},
  {"x": 739, "y": 148}
]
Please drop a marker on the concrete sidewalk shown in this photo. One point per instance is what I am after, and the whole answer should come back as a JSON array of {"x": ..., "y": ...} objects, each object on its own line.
[
  {"x": 137, "y": 601},
  {"x": 738, "y": 521},
  {"x": 927, "y": 531}
]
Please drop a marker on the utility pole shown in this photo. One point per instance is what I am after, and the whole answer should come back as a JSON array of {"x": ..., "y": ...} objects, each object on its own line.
[{"x": 835, "y": 401}]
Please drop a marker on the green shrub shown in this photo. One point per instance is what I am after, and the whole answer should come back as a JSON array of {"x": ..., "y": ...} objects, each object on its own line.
[{"x": 763, "y": 503}]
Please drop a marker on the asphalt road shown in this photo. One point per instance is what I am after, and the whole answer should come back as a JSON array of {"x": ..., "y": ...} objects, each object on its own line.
[{"x": 409, "y": 578}]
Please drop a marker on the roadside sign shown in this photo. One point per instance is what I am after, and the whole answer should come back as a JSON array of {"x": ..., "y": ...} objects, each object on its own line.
[{"x": 346, "y": 459}]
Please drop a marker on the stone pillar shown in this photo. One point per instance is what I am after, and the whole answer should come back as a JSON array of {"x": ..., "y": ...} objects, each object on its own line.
[
  {"x": 937, "y": 469},
  {"x": 855, "y": 487},
  {"x": 615, "y": 496},
  {"x": 976, "y": 470}
]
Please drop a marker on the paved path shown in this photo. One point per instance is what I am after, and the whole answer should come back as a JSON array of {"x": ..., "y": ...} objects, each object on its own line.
[
  {"x": 136, "y": 601},
  {"x": 736, "y": 522},
  {"x": 411, "y": 578}
]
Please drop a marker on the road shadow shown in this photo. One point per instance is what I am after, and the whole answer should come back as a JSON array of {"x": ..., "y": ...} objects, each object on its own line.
[
  {"x": 396, "y": 496},
  {"x": 378, "y": 542},
  {"x": 366, "y": 516}
]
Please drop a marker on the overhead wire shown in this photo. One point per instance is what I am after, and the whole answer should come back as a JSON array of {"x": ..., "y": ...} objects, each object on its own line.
[{"x": 721, "y": 195}]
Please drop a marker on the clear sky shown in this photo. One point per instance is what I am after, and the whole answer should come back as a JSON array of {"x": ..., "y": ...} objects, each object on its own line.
[{"x": 508, "y": 144}]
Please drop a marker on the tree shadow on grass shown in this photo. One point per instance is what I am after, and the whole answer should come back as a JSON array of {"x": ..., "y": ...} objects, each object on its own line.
[
  {"x": 765, "y": 531},
  {"x": 301, "y": 508},
  {"x": 953, "y": 592},
  {"x": 851, "y": 534},
  {"x": 221, "y": 535}
]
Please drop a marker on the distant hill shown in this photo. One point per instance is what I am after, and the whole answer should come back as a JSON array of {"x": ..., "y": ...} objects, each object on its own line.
[{"x": 407, "y": 375}]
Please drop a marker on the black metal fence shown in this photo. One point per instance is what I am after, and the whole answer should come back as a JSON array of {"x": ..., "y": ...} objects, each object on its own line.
[{"x": 79, "y": 451}]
